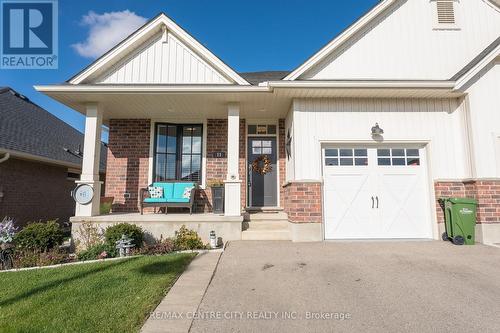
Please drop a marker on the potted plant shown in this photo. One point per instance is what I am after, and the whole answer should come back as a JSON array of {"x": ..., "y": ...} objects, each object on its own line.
[
  {"x": 106, "y": 203},
  {"x": 217, "y": 189},
  {"x": 7, "y": 232}
]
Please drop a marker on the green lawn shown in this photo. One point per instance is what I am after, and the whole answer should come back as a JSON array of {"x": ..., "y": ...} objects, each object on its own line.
[{"x": 112, "y": 296}]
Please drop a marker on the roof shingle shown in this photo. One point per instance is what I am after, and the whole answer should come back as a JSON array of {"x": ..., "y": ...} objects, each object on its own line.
[{"x": 27, "y": 128}]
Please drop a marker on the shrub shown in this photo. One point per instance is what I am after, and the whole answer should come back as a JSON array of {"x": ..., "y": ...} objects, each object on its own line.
[
  {"x": 186, "y": 239},
  {"x": 39, "y": 237},
  {"x": 115, "y": 232},
  {"x": 158, "y": 248},
  {"x": 98, "y": 251},
  {"x": 33, "y": 258},
  {"x": 88, "y": 235}
]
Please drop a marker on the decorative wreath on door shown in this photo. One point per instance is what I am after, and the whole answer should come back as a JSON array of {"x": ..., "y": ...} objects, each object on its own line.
[{"x": 262, "y": 165}]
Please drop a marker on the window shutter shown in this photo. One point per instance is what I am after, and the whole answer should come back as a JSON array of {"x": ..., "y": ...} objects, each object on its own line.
[{"x": 445, "y": 12}]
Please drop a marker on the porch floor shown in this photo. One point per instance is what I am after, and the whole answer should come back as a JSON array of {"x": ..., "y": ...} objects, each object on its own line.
[{"x": 158, "y": 217}]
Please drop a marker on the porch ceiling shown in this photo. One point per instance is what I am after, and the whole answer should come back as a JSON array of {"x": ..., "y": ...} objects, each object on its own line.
[
  {"x": 179, "y": 105},
  {"x": 272, "y": 100}
]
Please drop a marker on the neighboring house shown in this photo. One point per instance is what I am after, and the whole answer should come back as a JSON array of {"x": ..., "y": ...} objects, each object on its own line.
[
  {"x": 41, "y": 158},
  {"x": 427, "y": 72}
]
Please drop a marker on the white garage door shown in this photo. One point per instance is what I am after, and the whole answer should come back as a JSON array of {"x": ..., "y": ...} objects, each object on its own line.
[{"x": 376, "y": 192}]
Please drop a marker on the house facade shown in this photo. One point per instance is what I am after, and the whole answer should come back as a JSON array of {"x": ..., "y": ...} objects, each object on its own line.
[
  {"x": 358, "y": 142},
  {"x": 40, "y": 160}
]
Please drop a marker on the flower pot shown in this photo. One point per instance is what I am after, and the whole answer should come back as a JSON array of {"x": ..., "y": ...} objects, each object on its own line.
[
  {"x": 218, "y": 199},
  {"x": 105, "y": 206}
]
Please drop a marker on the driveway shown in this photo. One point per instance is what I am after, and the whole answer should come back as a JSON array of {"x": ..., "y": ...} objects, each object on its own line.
[{"x": 420, "y": 286}]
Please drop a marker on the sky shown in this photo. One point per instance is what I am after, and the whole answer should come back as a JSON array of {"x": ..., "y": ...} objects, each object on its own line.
[{"x": 255, "y": 35}]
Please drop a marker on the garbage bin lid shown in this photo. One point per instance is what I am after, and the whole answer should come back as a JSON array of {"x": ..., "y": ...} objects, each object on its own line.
[{"x": 463, "y": 201}]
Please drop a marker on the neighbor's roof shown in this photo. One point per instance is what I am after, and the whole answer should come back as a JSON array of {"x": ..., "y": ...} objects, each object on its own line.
[
  {"x": 255, "y": 78},
  {"x": 30, "y": 130}
]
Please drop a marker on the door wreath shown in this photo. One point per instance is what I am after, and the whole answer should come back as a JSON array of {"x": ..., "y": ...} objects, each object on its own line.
[{"x": 262, "y": 165}]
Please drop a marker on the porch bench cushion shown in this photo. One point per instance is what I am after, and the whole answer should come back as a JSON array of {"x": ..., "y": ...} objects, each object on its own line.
[
  {"x": 175, "y": 194},
  {"x": 155, "y": 200}
]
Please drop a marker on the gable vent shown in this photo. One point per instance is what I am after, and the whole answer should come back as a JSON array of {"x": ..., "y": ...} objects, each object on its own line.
[{"x": 445, "y": 12}]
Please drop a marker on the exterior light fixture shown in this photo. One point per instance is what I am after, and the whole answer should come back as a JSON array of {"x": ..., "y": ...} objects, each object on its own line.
[{"x": 376, "y": 130}]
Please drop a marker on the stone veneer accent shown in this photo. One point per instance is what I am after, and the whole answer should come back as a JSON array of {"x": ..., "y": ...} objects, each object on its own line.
[
  {"x": 128, "y": 162},
  {"x": 302, "y": 201},
  {"x": 485, "y": 191}
]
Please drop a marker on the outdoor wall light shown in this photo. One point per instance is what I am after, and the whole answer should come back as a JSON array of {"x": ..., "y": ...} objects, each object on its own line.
[{"x": 376, "y": 130}]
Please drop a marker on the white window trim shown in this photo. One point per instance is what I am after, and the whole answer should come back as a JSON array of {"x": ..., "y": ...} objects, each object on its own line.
[
  {"x": 202, "y": 185},
  {"x": 442, "y": 26}
]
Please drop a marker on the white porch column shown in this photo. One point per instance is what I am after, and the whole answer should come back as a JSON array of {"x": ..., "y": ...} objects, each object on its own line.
[
  {"x": 232, "y": 202},
  {"x": 91, "y": 159}
]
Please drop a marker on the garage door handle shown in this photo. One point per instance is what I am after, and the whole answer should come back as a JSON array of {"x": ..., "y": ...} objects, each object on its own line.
[
  {"x": 377, "y": 201},
  {"x": 373, "y": 202}
]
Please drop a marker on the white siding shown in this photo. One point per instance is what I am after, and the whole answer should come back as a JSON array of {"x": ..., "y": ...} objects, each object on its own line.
[
  {"x": 439, "y": 121},
  {"x": 405, "y": 45},
  {"x": 484, "y": 101},
  {"x": 159, "y": 62}
]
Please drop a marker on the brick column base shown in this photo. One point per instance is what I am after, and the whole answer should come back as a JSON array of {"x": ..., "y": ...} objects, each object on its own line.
[{"x": 302, "y": 202}]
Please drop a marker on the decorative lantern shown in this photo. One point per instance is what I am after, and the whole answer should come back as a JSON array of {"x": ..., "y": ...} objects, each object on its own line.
[
  {"x": 124, "y": 245},
  {"x": 213, "y": 240}
]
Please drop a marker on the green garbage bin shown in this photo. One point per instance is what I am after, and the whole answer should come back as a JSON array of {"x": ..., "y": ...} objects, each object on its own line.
[{"x": 460, "y": 220}]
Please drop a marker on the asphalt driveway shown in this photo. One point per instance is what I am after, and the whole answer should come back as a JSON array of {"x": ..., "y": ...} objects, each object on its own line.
[{"x": 353, "y": 286}]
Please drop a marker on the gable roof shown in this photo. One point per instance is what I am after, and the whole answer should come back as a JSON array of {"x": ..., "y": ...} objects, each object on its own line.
[
  {"x": 140, "y": 36},
  {"x": 348, "y": 33},
  {"x": 31, "y": 131},
  {"x": 474, "y": 62},
  {"x": 340, "y": 39}
]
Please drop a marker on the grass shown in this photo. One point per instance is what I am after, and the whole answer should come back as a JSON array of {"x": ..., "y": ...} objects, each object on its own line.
[{"x": 113, "y": 296}]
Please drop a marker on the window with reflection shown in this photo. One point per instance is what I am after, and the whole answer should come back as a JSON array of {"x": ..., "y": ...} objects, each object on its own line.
[{"x": 178, "y": 152}]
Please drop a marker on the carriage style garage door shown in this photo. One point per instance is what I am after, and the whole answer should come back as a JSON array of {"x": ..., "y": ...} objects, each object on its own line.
[{"x": 376, "y": 192}]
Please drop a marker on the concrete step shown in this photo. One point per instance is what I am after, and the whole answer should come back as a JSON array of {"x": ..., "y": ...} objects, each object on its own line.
[
  {"x": 266, "y": 235},
  {"x": 268, "y": 225},
  {"x": 274, "y": 216}
]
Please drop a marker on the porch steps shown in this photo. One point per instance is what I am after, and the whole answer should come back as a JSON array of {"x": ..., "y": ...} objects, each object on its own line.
[{"x": 266, "y": 226}]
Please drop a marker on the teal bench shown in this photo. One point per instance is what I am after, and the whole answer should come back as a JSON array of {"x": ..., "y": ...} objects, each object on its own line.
[{"x": 173, "y": 195}]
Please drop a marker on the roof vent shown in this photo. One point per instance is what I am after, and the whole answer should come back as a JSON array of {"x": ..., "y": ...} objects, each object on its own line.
[{"x": 445, "y": 11}]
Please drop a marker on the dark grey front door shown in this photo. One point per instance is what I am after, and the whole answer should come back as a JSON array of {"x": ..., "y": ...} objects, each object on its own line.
[{"x": 262, "y": 188}]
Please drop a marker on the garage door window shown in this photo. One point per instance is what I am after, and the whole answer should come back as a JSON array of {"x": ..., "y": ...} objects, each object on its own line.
[
  {"x": 398, "y": 157},
  {"x": 346, "y": 157}
]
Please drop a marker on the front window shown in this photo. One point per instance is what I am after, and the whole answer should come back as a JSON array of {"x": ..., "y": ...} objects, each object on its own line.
[{"x": 177, "y": 152}]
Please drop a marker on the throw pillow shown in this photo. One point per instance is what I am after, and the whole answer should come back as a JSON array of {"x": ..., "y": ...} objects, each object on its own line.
[
  {"x": 155, "y": 192},
  {"x": 187, "y": 193}
]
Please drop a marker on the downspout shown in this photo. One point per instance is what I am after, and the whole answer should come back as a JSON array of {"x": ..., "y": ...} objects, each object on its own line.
[{"x": 469, "y": 137}]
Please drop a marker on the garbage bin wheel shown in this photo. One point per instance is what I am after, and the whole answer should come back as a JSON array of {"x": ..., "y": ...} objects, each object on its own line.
[
  {"x": 445, "y": 237},
  {"x": 458, "y": 240}
]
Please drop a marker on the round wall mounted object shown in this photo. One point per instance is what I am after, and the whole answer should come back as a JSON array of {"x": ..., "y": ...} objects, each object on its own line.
[{"x": 83, "y": 194}]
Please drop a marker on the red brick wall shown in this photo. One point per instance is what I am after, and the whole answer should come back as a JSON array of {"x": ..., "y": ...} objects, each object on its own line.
[
  {"x": 128, "y": 162},
  {"x": 302, "y": 202},
  {"x": 282, "y": 161},
  {"x": 34, "y": 191},
  {"x": 128, "y": 159},
  {"x": 486, "y": 192}
]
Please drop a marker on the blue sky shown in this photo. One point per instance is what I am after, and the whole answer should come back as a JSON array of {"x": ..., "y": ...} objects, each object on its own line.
[{"x": 247, "y": 35}]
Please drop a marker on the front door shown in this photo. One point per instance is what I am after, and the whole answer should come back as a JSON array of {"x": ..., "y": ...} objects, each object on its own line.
[{"x": 262, "y": 173}]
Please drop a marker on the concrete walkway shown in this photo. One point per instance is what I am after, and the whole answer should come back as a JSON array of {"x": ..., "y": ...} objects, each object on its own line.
[
  {"x": 175, "y": 312},
  {"x": 419, "y": 286}
]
